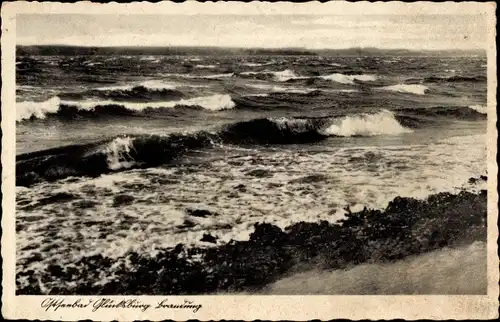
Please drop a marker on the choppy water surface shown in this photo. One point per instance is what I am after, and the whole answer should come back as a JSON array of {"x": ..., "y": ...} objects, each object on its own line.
[{"x": 116, "y": 153}]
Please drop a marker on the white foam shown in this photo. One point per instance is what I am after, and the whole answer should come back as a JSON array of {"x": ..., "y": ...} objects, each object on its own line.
[
  {"x": 215, "y": 76},
  {"x": 205, "y": 66},
  {"x": 483, "y": 109},
  {"x": 348, "y": 79},
  {"x": 214, "y": 102},
  {"x": 157, "y": 85},
  {"x": 382, "y": 123},
  {"x": 117, "y": 152},
  {"x": 154, "y": 84},
  {"x": 416, "y": 89},
  {"x": 259, "y": 95},
  {"x": 360, "y": 175},
  {"x": 28, "y": 109},
  {"x": 282, "y": 89},
  {"x": 148, "y": 58},
  {"x": 256, "y": 64},
  {"x": 285, "y": 75},
  {"x": 344, "y": 90},
  {"x": 296, "y": 125},
  {"x": 189, "y": 76}
]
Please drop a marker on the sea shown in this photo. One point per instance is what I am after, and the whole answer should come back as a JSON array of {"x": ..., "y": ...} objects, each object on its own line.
[{"x": 119, "y": 153}]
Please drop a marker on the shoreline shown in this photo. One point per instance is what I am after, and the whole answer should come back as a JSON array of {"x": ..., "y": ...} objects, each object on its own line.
[{"x": 406, "y": 227}]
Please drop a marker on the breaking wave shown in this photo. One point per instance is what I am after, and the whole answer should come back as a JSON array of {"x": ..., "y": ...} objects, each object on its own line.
[
  {"x": 211, "y": 76},
  {"x": 135, "y": 151},
  {"x": 65, "y": 108},
  {"x": 282, "y": 89},
  {"x": 27, "y": 110},
  {"x": 205, "y": 66},
  {"x": 416, "y": 89},
  {"x": 153, "y": 85},
  {"x": 348, "y": 79},
  {"x": 257, "y": 64},
  {"x": 382, "y": 123},
  {"x": 125, "y": 152},
  {"x": 287, "y": 75},
  {"x": 479, "y": 108},
  {"x": 466, "y": 113},
  {"x": 280, "y": 76}
]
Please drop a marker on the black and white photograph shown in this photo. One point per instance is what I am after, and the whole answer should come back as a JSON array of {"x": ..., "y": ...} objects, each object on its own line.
[{"x": 272, "y": 154}]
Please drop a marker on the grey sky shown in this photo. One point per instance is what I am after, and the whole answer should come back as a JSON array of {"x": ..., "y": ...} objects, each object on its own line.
[{"x": 310, "y": 31}]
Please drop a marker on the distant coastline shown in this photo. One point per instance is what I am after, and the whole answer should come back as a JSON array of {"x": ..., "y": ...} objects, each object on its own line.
[{"x": 49, "y": 50}]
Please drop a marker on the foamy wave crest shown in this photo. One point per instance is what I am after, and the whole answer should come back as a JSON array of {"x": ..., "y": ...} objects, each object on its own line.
[
  {"x": 154, "y": 85},
  {"x": 259, "y": 95},
  {"x": 213, "y": 76},
  {"x": 205, "y": 66},
  {"x": 257, "y": 64},
  {"x": 53, "y": 106},
  {"x": 294, "y": 125},
  {"x": 282, "y": 89},
  {"x": 118, "y": 153},
  {"x": 286, "y": 75},
  {"x": 215, "y": 102},
  {"x": 416, "y": 89},
  {"x": 382, "y": 123},
  {"x": 28, "y": 109},
  {"x": 281, "y": 76},
  {"x": 479, "y": 108},
  {"x": 348, "y": 79}
]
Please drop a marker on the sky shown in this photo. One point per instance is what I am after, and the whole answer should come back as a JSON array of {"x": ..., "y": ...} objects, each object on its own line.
[{"x": 417, "y": 32}]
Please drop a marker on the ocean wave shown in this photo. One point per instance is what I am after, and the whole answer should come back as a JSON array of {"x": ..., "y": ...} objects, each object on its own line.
[
  {"x": 205, "y": 66},
  {"x": 483, "y": 109},
  {"x": 257, "y": 64},
  {"x": 348, "y": 79},
  {"x": 381, "y": 123},
  {"x": 26, "y": 110},
  {"x": 455, "y": 79},
  {"x": 56, "y": 106},
  {"x": 282, "y": 89},
  {"x": 288, "y": 75},
  {"x": 466, "y": 113},
  {"x": 258, "y": 95},
  {"x": 416, "y": 89},
  {"x": 149, "y": 84},
  {"x": 140, "y": 93},
  {"x": 209, "y": 76},
  {"x": 125, "y": 152},
  {"x": 278, "y": 76}
]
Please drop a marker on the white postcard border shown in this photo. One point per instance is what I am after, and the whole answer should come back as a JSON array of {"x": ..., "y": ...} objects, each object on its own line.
[{"x": 245, "y": 307}]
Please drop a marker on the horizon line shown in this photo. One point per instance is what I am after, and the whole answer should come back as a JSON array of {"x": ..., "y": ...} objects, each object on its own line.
[{"x": 249, "y": 48}]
